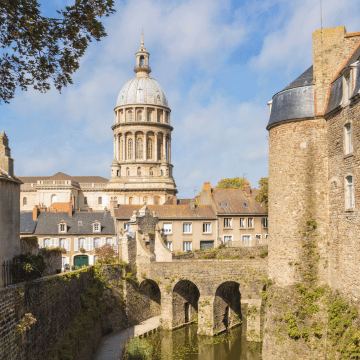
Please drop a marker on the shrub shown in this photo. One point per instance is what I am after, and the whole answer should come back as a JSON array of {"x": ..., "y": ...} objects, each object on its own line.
[
  {"x": 138, "y": 349},
  {"x": 264, "y": 254},
  {"x": 82, "y": 250},
  {"x": 30, "y": 267},
  {"x": 106, "y": 254}
]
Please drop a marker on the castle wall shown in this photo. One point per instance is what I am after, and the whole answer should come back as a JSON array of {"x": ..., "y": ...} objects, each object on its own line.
[
  {"x": 344, "y": 224},
  {"x": 297, "y": 193}
]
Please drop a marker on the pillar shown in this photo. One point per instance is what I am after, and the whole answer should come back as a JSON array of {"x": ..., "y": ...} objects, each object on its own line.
[
  {"x": 164, "y": 148},
  {"x": 252, "y": 318},
  {"x": 145, "y": 113},
  {"x": 124, "y": 147},
  {"x": 206, "y": 315},
  {"x": 169, "y": 151},
  {"x": 156, "y": 146},
  {"x": 134, "y": 147},
  {"x": 134, "y": 113},
  {"x": 117, "y": 146},
  {"x": 145, "y": 146}
]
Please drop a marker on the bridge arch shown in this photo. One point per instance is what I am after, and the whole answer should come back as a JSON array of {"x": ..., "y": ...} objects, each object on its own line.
[
  {"x": 227, "y": 306},
  {"x": 150, "y": 298},
  {"x": 185, "y": 302}
]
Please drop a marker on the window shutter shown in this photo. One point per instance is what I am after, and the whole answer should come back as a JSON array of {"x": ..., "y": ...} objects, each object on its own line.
[
  {"x": 91, "y": 244},
  {"x": 103, "y": 241},
  {"x": 68, "y": 244},
  {"x": 91, "y": 259},
  {"x": 76, "y": 244},
  {"x": 87, "y": 244},
  {"x": 41, "y": 243}
]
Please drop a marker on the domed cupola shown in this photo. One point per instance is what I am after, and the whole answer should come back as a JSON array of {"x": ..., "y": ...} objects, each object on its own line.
[{"x": 142, "y": 139}]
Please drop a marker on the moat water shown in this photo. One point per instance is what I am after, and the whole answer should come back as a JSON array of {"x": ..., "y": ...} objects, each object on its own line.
[{"x": 185, "y": 344}]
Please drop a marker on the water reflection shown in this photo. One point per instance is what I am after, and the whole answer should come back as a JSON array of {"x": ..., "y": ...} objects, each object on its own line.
[{"x": 185, "y": 344}]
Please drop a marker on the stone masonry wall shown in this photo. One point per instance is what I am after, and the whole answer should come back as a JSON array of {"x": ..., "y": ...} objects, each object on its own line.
[
  {"x": 344, "y": 225},
  {"x": 297, "y": 193}
]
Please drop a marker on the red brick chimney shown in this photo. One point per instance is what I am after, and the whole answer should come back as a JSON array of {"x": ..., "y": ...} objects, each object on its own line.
[
  {"x": 35, "y": 213},
  {"x": 70, "y": 209},
  {"x": 207, "y": 187}
]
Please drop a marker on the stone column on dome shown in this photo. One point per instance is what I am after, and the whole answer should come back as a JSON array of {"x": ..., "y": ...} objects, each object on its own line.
[
  {"x": 164, "y": 148},
  {"x": 124, "y": 148},
  {"x": 155, "y": 150},
  {"x": 145, "y": 113},
  {"x": 145, "y": 140},
  {"x": 134, "y": 114},
  {"x": 117, "y": 147},
  {"x": 169, "y": 150},
  {"x": 133, "y": 157}
]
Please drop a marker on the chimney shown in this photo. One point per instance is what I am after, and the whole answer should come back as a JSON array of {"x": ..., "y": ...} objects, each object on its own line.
[
  {"x": 192, "y": 204},
  {"x": 113, "y": 205},
  {"x": 6, "y": 162},
  {"x": 207, "y": 187},
  {"x": 89, "y": 209},
  {"x": 35, "y": 213},
  {"x": 70, "y": 209}
]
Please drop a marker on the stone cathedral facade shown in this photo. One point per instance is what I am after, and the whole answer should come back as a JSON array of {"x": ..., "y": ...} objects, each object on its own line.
[{"x": 141, "y": 172}]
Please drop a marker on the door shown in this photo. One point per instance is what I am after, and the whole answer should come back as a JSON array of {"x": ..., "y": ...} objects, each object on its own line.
[{"x": 81, "y": 261}]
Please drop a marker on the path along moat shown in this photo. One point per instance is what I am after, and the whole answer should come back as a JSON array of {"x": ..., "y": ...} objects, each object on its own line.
[{"x": 185, "y": 344}]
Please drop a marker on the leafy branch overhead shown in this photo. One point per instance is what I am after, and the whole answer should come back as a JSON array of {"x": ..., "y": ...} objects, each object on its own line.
[
  {"x": 263, "y": 194},
  {"x": 38, "y": 50},
  {"x": 235, "y": 183}
]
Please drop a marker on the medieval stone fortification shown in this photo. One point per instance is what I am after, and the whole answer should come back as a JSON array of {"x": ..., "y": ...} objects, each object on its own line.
[{"x": 313, "y": 180}]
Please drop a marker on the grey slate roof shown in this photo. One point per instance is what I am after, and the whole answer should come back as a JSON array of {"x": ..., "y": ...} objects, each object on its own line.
[
  {"x": 295, "y": 101},
  {"x": 48, "y": 223},
  {"x": 27, "y": 224},
  {"x": 336, "y": 95},
  {"x": 357, "y": 81}
]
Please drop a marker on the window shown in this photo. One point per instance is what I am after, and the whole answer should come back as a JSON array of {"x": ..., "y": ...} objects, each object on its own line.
[
  {"x": 62, "y": 227},
  {"x": 130, "y": 200},
  {"x": 80, "y": 223},
  {"x": 127, "y": 172},
  {"x": 144, "y": 200},
  {"x": 140, "y": 117},
  {"x": 150, "y": 149},
  {"x": 258, "y": 238},
  {"x": 108, "y": 241},
  {"x": 349, "y": 193},
  {"x": 187, "y": 246},
  {"x": 81, "y": 243},
  {"x": 206, "y": 245},
  {"x": 149, "y": 115},
  {"x": 206, "y": 227},
  {"x": 24, "y": 201},
  {"x": 242, "y": 222},
  {"x": 126, "y": 227},
  {"x": 53, "y": 199},
  {"x": 228, "y": 239},
  {"x": 96, "y": 227},
  {"x": 85, "y": 200},
  {"x": 227, "y": 222},
  {"x": 348, "y": 142},
  {"x": 63, "y": 262},
  {"x": 187, "y": 228},
  {"x": 100, "y": 200},
  {"x": 139, "y": 171},
  {"x": 63, "y": 243},
  {"x": 265, "y": 222},
  {"x": 167, "y": 228},
  {"x": 130, "y": 116},
  {"x": 96, "y": 242},
  {"x": 151, "y": 171},
  {"x": 169, "y": 245},
  {"x": 246, "y": 240},
  {"x": 95, "y": 259},
  {"x": 47, "y": 243},
  {"x": 348, "y": 86},
  {"x": 139, "y": 149},
  {"x": 130, "y": 148},
  {"x": 250, "y": 222}
]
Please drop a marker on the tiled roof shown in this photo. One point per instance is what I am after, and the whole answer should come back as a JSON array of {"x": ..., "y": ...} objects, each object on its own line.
[
  {"x": 27, "y": 224},
  {"x": 235, "y": 201},
  {"x": 179, "y": 202},
  {"x": 167, "y": 211},
  {"x": 62, "y": 176},
  {"x": 48, "y": 223},
  {"x": 61, "y": 206}
]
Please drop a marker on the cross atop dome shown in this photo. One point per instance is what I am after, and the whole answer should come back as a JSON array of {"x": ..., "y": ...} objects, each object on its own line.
[{"x": 142, "y": 67}]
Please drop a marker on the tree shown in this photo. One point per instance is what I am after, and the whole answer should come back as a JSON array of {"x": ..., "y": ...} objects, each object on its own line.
[
  {"x": 38, "y": 49},
  {"x": 235, "y": 183},
  {"x": 263, "y": 194},
  {"x": 106, "y": 254}
]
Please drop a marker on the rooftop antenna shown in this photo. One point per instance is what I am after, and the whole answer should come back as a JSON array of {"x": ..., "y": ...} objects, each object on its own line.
[{"x": 321, "y": 16}]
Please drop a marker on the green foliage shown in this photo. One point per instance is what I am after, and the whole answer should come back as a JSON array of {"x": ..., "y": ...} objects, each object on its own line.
[
  {"x": 311, "y": 223},
  {"x": 47, "y": 251},
  {"x": 234, "y": 183},
  {"x": 263, "y": 194},
  {"x": 168, "y": 287},
  {"x": 31, "y": 241},
  {"x": 292, "y": 328},
  {"x": 264, "y": 254},
  {"x": 138, "y": 349},
  {"x": 209, "y": 256},
  {"x": 37, "y": 49},
  {"x": 30, "y": 267}
]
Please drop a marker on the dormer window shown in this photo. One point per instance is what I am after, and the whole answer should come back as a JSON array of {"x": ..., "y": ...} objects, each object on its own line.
[
  {"x": 96, "y": 227},
  {"x": 62, "y": 227}
]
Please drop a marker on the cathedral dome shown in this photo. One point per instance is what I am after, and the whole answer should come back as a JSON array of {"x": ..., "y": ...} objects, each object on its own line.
[{"x": 142, "y": 90}]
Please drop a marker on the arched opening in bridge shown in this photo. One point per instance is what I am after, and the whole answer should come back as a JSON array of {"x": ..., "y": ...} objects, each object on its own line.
[
  {"x": 150, "y": 298},
  {"x": 185, "y": 302},
  {"x": 227, "y": 306}
]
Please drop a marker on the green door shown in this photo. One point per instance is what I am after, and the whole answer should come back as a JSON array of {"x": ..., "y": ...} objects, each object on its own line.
[{"x": 80, "y": 261}]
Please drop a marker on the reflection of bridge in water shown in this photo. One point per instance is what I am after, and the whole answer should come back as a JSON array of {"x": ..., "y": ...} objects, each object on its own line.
[{"x": 217, "y": 294}]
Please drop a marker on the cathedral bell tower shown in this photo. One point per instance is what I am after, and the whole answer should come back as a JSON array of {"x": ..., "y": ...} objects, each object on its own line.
[{"x": 142, "y": 171}]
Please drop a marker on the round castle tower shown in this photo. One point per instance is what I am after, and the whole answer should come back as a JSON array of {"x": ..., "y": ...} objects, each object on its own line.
[{"x": 142, "y": 169}]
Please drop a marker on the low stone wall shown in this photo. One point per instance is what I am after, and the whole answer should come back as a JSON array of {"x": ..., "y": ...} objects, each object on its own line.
[{"x": 226, "y": 253}]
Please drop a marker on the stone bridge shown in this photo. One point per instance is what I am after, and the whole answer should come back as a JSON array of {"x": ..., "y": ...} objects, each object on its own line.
[{"x": 217, "y": 294}]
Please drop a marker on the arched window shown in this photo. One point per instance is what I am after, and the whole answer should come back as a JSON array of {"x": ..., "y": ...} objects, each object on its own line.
[
  {"x": 121, "y": 149},
  {"x": 349, "y": 193},
  {"x": 158, "y": 116},
  {"x": 139, "y": 171},
  {"x": 150, "y": 149},
  {"x": 100, "y": 200},
  {"x": 24, "y": 201},
  {"x": 130, "y": 115},
  {"x": 166, "y": 117},
  {"x": 142, "y": 61},
  {"x": 348, "y": 140},
  {"x": 130, "y": 148},
  {"x": 139, "y": 115},
  {"x": 151, "y": 171},
  {"x": 53, "y": 199},
  {"x": 145, "y": 200},
  {"x": 161, "y": 172},
  {"x": 139, "y": 148},
  {"x": 149, "y": 115},
  {"x": 130, "y": 200},
  {"x": 167, "y": 172},
  {"x": 159, "y": 149},
  {"x": 127, "y": 172}
]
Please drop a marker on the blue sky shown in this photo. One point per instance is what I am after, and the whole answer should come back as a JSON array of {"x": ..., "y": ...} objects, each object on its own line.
[{"x": 219, "y": 63}]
